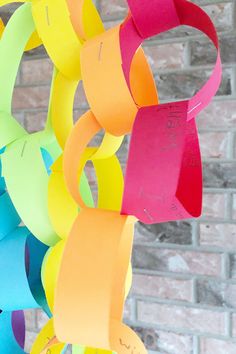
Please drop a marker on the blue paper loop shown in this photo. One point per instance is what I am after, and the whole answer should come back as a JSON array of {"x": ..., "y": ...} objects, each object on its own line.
[
  {"x": 21, "y": 291},
  {"x": 8, "y": 340}
]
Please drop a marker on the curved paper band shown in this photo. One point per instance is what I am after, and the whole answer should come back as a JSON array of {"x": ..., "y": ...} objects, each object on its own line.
[
  {"x": 48, "y": 17},
  {"x": 165, "y": 141},
  {"x": 85, "y": 129},
  {"x": 63, "y": 46},
  {"x": 12, "y": 332},
  {"x": 9, "y": 217},
  {"x": 177, "y": 12},
  {"x": 62, "y": 121},
  {"x": 85, "y": 318},
  {"x": 112, "y": 103},
  {"x": 45, "y": 340},
  {"x": 21, "y": 289},
  {"x": 28, "y": 191},
  {"x": 34, "y": 40}
]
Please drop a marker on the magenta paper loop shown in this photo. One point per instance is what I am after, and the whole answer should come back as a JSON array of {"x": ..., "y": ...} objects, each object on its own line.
[
  {"x": 152, "y": 17},
  {"x": 146, "y": 19},
  {"x": 164, "y": 172}
]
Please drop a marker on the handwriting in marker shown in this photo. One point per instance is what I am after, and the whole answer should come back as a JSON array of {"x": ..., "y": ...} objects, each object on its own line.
[
  {"x": 124, "y": 345},
  {"x": 23, "y": 149},
  {"x": 100, "y": 51},
  {"x": 47, "y": 15}
]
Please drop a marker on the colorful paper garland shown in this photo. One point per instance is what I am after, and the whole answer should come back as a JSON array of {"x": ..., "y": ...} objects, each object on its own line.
[{"x": 86, "y": 273}]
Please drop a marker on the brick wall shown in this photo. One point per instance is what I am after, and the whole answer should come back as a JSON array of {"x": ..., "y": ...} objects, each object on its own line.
[{"x": 183, "y": 298}]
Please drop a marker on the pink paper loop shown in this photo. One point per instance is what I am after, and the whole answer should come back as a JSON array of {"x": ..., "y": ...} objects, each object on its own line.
[
  {"x": 164, "y": 172},
  {"x": 145, "y": 16},
  {"x": 152, "y": 17},
  {"x": 164, "y": 175}
]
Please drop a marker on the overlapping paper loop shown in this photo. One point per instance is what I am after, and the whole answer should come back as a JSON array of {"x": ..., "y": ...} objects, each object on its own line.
[{"x": 72, "y": 257}]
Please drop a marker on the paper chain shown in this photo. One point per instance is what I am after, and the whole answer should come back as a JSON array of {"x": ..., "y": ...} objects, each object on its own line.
[{"x": 72, "y": 257}]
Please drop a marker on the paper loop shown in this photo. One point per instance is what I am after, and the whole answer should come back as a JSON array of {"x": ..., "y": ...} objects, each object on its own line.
[
  {"x": 85, "y": 319},
  {"x": 111, "y": 102},
  {"x": 171, "y": 150},
  {"x": 12, "y": 332}
]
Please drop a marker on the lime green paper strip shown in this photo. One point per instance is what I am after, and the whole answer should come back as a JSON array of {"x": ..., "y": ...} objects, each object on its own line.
[{"x": 22, "y": 164}]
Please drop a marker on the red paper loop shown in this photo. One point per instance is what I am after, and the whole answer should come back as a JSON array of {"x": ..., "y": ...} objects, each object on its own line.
[
  {"x": 188, "y": 14},
  {"x": 152, "y": 17},
  {"x": 164, "y": 174}
]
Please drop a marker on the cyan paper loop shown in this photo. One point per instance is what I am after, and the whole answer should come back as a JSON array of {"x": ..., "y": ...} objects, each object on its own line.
[
  {"x": 12, "y": 329},
  {"x": 20, "y": 290},
  {"x": 9, "y": 217}
]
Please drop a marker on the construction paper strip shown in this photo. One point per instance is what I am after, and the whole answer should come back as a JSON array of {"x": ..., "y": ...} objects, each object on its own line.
[
  {"x": 48, "y": 17},
  {"x": 82, "y": 307},
  {"x": 27, "y": 180},
  {"x": 154, "y": 17},
  {"x": 46, "y": 340},
  {"x": 88, "y": 127},
  {"x": 150, "y": 196},
  {"x": 9, "y": 217},
  {"x": 10, "y": 322},
  {"x": 62, "y": 121},
  {"x": 20, "y": 290},
  {"x": 27, "y": 190},
  {"x": 85, "y": 18},
  {"x": 168, "y": 144},
  {"x": 112, "y": 104},
  {"x": 18, "y": 326},
  {"x": 181, "y": 12}
]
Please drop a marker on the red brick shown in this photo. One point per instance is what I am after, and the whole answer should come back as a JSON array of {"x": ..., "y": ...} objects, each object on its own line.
[
  {"x": 221, "y": 14},
  {"x": 176, "y": 261},
  {"x": 165, "y": 56},
  {"x": 213, "y": 145},
  {"x": 174, "y": 343},
  {"x": 221, "y": 235},
  {"x": 166, "y": 288},
  {"x": 80, "y": 97},
  {"x": 214, "y": 206},
  {"x": 30, "y": 319},
  {"x": 42, "y": 319},
  {"x": 35, "y": 121},
  {"x": 37, "y": 71},
  {"x": 116, "y": 8},
  {"x": 128, "y": 309},
  {"x": 218, "y": 114},
  {"x": 214, "y": 346},
  {"x": 29, "y": 340},
  {"x": 191, "y": 319},
  {"x": 31, "y": 97}
]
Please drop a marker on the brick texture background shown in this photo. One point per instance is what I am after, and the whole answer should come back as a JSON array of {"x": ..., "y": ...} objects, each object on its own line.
[{"x": 183, "y": 299}]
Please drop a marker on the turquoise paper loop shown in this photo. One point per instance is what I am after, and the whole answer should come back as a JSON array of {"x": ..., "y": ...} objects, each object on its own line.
[
  {"x": 9, "y": 217},
  {"x": 2, "y": 181},
  {"x": 21, "y": 287},
  {"x": 8, "y": 342}
]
